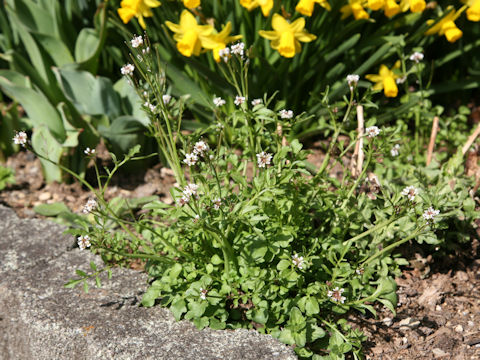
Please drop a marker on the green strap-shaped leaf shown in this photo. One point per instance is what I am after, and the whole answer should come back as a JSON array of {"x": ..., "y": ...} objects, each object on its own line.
[
  {"x": 37, "y": 107},
  {"x": 45, "y": 144}
]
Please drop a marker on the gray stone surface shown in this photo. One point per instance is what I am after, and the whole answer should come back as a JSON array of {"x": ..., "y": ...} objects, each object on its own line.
[{"x": 39, "y": 319}]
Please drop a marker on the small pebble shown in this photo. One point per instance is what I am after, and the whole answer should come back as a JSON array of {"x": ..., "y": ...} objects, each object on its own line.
[
  {"x": 44, "y": 196},
  {"x": 459, "y": 328},
  {"x": 438, "y": 308},
  {"x": 471, "y": 323},
  {"x": 387, "y": 321}
]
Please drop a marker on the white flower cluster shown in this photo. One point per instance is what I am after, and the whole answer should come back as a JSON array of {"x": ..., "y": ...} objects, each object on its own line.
[
  {"x": 127, "y": 69},
  {"x": 89, "y": 152},
  {"x": 395, "y": 150},
  {"x": 83, "y": 242},
  {"x": 137, "y": 41},
  {"x": 256, "y": 102},
  {"x": 410, "y": 192},
  {"x": 352, "y": 80},
  {"x": 90, "y": 206},
  {"x": 199, "y": 150},
  {"x": 189, "y": 191},
  {"x": 166, "y": 99},
  {"x": 150, "y": 106},
  {"x": 224, "y": 54},
  {"x": 286, "y": 114},
  {"x": 416, "y": 57},
  {"x": 298, "y": 261},
  {"x": 20, "y": 138},
  {"x": 430, "y": 213},
  {"x": 372, "y": 131},
  {"x": 203, "y": 293},
  {"x": 218, "y": 101},
  {"x": 238, "y": 49},
  {"x": 336, "y": 295},
  {"x": 264, "y": 159},
  {"x": 239, "y": 100},
  {"x": 217, "y": 203}
]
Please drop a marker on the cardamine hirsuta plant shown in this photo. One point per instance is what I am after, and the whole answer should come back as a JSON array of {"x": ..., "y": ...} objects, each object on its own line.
[{"x": 258, "y": 237}]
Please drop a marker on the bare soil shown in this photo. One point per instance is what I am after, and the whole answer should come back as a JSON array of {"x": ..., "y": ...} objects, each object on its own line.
[{"x": 439, "y": 300}]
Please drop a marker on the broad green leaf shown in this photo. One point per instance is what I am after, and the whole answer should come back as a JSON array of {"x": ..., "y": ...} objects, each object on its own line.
[
  {"x": 51, "y": 209},
  {"x": 46, "y": 145},
  {"x": 37, "y": 107}
]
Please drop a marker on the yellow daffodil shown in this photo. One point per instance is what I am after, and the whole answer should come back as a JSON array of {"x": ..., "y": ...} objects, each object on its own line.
[
  {"x": 265, "y": 5},
  {"x": 446, "y": 26},
  {"x": 219, "y": 41},
  {"x": 138, "y": 8},
  {"x": 385, "y": 80},
  {"x": 305, "y": 7},
  {"x": 413, "y": 5},
  {"x": 188, "y": 34},
  {"x": 356, "y": 8},
  {"x": 391, "y": 8},
  {"x": 473, "y": 11},
  {"x": 286, "y": 36},
  {"x": 191, "y": 4}
]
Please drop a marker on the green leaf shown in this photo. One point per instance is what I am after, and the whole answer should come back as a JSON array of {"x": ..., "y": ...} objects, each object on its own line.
[
  {"x": 311, "y": 306},
  {"x": 283, "y": 264},
  {"x": 260, "y": 315},
  {"x": 178, "y": 307},
  {"x": 72, "y": 283},
  {"x": 54, "y": 209},
  {"x": 90, "y": 95},
  {"x": 37, "y": 107},
  {"x": 296, "y": 146},
  {"x": 80, "y": 273},
  {"x": 286, "y": 337},
  {"x": 296, "y": 317},
  {"x": 47, "y": 146},
  {"x": 93, "y": 266}
]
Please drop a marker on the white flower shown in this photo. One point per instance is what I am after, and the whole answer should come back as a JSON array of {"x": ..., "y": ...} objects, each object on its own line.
[
  {"x": 150, "y": 106},
  {"x": 217, "y": 203},
  {"x": 136, "y": 41},
  {"x": 416, "y": 56},
  {"x": 237, "y": 49},
  {"x": 256, "y": 102},
  {"x": 430, "y": 214},
  {"x": 146, "y": 50},
  {"x": 20, "y": 138},
  {"x": 90, "y": 206},
  {"x": 83, "y": 242},
  {"x": 410, "y": 192},
  {"x": 394, "y": 151},
  {"x": 264, "y": 159},
  {"x": 190, "y": 190},
  {"x": 352, "y": 80},
  {"x": 372, "y": 131},
  {"x": 336, "y": 295},
  {"x": 203, "y": 293},
  {"x": 360, "y": 271},
  {"x": 286, "y": 114},
  {"x": 239, "y": 100},
  {"x": 298, "y": 261},
  {"x": 166, "y": 99},
  {"x": 183, "y": 200},
  {"x": 89, "y": 152},
  {"x": 200, "y": 147},
  {"x": 218, "y": 101},
  {"x": 196, "y": 218},
  {"x": 127, "y": 69},
  {"x": 224, "y": 54},
  {"x": 190, "y": 159}
]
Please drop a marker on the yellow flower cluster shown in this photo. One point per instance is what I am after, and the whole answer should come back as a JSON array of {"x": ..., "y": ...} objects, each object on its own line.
[
  {"x": 386, "y": 80},
  {"x": 192, "y": 37},
  {"x": 389, "y": 7},
  {"x": 138, "y": 8}
]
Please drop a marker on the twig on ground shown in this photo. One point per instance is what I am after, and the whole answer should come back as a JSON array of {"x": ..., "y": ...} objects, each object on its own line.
[
  {"x": 358, "y": 154},
  {"x": 433, "y": 137}
]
